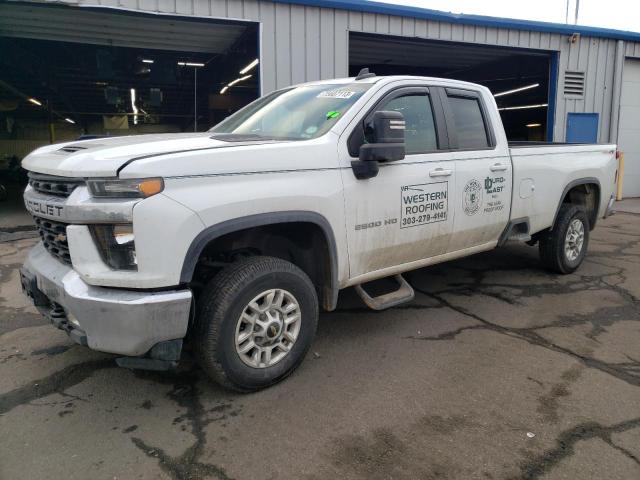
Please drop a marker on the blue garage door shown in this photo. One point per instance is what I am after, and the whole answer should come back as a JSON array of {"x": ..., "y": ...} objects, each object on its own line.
[{"x": 582, "y": 127}]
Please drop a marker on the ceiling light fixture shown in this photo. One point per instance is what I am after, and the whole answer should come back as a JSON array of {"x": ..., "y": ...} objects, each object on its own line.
[
  {"x": 147, "y": 60},
  {"x": 533, "y": 125},
  {"x": 237, "y": 80},
  {"x": 69, "y": 120},
  {"x": 249, "y": 67},
  {"x": 524, "y": 107},
  {"x": 224, "y": 89},
  {"x": 34, "y": 101},
  {"x": 190, "y": 64},
  {"x": 515, "y": 90}
]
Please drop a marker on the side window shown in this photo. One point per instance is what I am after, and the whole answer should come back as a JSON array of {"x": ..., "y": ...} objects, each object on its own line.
[
  {"x": 469, "y": 123},
  {"x": 420, "y": 130}
]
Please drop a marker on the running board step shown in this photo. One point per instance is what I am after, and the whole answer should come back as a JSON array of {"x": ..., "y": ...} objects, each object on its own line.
[
  {"x": 404, "y": 294},
  {"x": 519, "y": 237}
]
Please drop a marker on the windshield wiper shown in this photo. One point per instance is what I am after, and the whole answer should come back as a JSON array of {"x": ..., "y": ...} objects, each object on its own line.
[
  {"x": 238, "y": 137},
  {"x": 249, "y": 137}
]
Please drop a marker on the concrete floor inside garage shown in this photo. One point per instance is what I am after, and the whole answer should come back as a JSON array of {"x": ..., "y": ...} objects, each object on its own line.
[{"x": 498, "y": 369}]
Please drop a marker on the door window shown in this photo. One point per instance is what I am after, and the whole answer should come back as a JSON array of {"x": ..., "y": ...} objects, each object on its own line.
[
  {"x": 469, "y": 123},
  {"x": 420, "y": 129}
]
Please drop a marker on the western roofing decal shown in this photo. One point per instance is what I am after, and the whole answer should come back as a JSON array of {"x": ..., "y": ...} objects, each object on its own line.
[
  {"x": 472, "y": 197},
  {"x": 423, "y": 203}
]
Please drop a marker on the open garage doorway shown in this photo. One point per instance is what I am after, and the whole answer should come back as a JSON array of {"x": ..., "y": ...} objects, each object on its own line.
[
  {"x": 519, "y": 78},
  {"x": 68, "y": 72}
]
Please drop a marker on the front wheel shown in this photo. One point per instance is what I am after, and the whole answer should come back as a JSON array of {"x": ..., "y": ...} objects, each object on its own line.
[
  {"x": 563, "y": 249},
  {"x": 256, "y": 321}
]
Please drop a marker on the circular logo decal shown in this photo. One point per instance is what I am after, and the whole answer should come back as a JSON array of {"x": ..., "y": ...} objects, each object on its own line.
[{"x": 472, "y": 197}]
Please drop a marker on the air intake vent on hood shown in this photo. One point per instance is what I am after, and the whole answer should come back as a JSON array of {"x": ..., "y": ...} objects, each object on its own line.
[{"x": 72, "y": 148}]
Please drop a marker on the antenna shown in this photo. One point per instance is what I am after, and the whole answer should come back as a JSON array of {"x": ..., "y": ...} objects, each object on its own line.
[{"x": 364, "y": 73}]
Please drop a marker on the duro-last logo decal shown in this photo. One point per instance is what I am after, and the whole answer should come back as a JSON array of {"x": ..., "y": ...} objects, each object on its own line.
[{"x": 472, "y": 197}]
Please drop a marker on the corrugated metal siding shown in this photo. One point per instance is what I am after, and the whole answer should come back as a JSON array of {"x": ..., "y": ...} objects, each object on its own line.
[
  {"x": 310, "y": 43},
  {"x": 98, "y": 27}
]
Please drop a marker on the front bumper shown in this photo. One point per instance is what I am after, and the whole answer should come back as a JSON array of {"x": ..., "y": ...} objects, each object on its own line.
[{"x": 124, "y": 322}]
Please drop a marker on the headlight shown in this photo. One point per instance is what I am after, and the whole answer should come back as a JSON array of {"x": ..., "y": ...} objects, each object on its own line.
[
  {"x": 116, "y": 244},
  {"x": 128, "y": 188}
]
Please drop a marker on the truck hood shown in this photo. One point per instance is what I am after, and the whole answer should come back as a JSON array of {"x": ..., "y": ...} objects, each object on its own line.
[{"x": 104, "y": 157}]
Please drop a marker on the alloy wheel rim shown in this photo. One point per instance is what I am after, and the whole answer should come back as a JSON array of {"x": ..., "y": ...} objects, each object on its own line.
[
  {"x": 268, "y": 328},
  {"x": 574, "y": 240}
]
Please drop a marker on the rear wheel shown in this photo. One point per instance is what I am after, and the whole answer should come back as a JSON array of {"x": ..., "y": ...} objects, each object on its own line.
[
  {"x": 563, "y": 249},
  {"x": 256, "y": 321}
]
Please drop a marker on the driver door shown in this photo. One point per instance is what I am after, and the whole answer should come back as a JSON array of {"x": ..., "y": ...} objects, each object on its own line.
[{"x": 405, "y": 213}]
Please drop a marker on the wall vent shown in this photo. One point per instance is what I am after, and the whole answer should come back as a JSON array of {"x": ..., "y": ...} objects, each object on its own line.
[{"x": 573, "y": 84}]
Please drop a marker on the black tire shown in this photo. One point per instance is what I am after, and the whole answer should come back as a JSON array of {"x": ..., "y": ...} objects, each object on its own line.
[
  {"x": 219, "y": 309},
  {"x": 552, "y": 245}
]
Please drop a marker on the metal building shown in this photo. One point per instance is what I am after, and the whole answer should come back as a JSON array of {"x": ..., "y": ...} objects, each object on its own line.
[{"x": 552, "y": 81}]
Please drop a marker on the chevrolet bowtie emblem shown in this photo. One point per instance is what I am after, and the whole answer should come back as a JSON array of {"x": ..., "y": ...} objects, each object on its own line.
[{"x": 61, "y": 237}]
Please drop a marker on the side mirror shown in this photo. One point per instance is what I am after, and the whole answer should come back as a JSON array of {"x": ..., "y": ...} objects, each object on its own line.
[{"x": 386, "y": 130}]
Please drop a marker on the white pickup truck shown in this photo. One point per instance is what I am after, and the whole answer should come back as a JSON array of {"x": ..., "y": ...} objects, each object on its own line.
[{"x": 232, "y": 238}]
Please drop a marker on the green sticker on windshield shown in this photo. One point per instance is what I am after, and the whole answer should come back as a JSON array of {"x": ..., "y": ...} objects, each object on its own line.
[{"x": 332, "y": 114}]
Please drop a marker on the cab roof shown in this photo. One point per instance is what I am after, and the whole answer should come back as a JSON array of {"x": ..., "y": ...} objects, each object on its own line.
[{"x": 388, "y": 79}]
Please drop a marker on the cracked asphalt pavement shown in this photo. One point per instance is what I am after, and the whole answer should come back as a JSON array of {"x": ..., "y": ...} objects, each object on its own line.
[{"x": 497, "y": 370}]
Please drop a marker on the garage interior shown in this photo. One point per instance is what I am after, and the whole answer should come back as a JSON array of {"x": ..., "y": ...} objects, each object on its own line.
[
  {"x": 519, "y": 78},
  {"x": 90, "y": 72}
]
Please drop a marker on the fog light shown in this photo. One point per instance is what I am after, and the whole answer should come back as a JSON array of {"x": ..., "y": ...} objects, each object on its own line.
[{"x": 116, "y": 244}]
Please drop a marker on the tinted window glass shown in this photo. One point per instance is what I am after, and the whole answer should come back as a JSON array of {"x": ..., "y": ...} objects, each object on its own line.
[
  {"x": 469, "y": 122},
  {"x": 420, "y": 132}
]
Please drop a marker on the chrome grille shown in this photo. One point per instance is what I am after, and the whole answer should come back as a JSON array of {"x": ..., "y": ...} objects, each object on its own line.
[
  {"x": 54, "y": 237},
  {"x": 52, "y": 185}
]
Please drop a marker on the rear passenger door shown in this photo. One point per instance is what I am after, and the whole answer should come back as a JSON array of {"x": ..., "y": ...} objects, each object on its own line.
[{"x": 483, "y": 171}]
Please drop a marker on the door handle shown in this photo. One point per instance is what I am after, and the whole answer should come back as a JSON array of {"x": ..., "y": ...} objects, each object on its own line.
[
  {"x": 440, "y": 172},
  {"x": 498, "y": 167}
]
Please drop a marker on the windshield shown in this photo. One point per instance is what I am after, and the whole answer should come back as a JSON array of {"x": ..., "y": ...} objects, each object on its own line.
[{"x": 298, "y": 113}]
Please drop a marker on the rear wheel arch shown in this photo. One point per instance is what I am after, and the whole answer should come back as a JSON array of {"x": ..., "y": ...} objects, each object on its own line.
[
  {"x": 584, "y": 192},
  {"x": 302, "y": 237}
]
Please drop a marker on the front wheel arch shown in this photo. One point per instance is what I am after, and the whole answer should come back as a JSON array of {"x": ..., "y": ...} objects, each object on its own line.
[{"x": 329, "y": 283}]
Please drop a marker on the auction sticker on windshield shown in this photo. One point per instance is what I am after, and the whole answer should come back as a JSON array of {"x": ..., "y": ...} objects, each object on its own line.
[
  {"x": 337, "y": 93},
  {"x": 423, "y": 203}
]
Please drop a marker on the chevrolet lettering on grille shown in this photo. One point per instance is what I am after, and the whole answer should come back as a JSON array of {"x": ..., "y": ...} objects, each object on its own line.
[{"x": 44, "y": 208}]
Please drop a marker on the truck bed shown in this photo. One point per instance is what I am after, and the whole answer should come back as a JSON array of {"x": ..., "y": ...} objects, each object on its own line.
[{"x": 542, "y": 172}]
